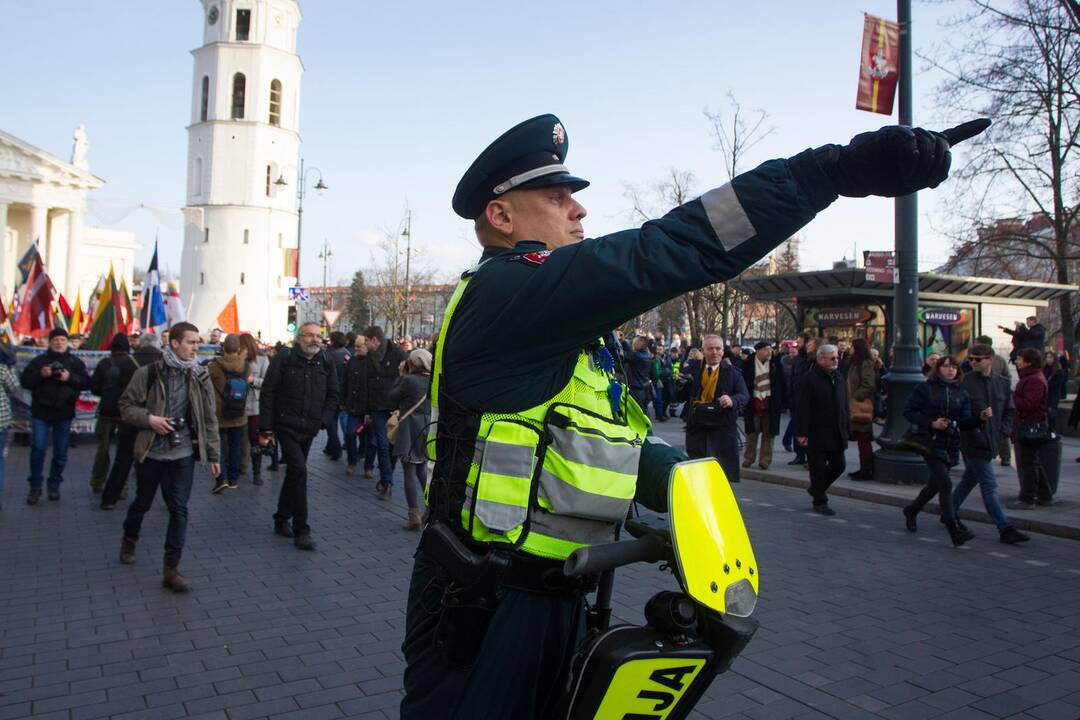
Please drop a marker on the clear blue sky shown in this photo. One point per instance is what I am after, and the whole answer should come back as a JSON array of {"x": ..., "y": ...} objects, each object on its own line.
[{"x": 398, "y": 98}]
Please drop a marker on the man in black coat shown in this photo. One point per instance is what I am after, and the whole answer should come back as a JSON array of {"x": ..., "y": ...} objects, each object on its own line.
[
  {"x": 764, "y": 378},
  {"x": 715, "y": 396},
  {"x": 54, "y": 379},
  {"x": 354, "y": 403},
  {"x": 384, "y": 364},
  {"x": 110, "y": 379},
  {"x": 299, "y": 396},
  {"x": 1027, "y": 334},
  {"x": 824, "y": 423},
  {"x": 804, "y": 363}
]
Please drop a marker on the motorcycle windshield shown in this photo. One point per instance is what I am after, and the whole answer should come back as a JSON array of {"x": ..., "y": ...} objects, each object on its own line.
[{"x": 715, "y": 559}]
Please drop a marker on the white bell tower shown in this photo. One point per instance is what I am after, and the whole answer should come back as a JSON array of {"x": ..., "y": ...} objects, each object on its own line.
[{"x": 239, "y": 225}]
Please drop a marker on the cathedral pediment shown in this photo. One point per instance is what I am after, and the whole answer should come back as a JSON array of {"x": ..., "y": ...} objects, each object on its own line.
[{"x": 20, "y": 160}]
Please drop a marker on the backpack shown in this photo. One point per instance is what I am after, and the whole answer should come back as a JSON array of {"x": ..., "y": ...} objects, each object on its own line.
[{"x": 235, "y": 396}]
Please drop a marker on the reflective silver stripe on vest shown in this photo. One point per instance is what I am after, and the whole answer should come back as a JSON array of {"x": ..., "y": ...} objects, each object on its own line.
[
  {"x": 567, "y": 499},
  {"x": 592, "y": 451},
  {"x": 727, "y": 217},
  {"x": 578, "y": 530},
  {"x": 496, "y": 516},
  {"x": 506, "y": 459}
]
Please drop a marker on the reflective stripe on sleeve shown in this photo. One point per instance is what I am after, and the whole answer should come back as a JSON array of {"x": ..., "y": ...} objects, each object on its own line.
[{"x": 727, "y": 217}]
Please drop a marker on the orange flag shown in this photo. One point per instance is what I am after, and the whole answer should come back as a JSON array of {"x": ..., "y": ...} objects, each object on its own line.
[{"x": 229, "y": 318}]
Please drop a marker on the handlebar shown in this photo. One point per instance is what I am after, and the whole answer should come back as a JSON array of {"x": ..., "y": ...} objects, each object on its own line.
[{"x": 596, "y": 559}]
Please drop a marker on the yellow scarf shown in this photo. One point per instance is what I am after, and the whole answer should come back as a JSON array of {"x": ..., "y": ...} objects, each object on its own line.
[{"x": 708, "y": 384}]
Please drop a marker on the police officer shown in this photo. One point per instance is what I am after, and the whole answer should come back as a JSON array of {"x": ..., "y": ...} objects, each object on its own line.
[{"x": 539, "y": 449}]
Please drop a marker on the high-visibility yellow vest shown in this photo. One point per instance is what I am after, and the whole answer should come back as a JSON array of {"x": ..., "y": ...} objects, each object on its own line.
[{"x": 554, "y": 477}]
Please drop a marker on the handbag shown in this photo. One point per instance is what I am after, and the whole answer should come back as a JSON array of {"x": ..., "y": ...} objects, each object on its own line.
[
  {"x": 1033, "y": 432},
  {"x": 394, "y": 421},
  {"x": 918, "y": 439},
  {"x": 862, "y": 411}
]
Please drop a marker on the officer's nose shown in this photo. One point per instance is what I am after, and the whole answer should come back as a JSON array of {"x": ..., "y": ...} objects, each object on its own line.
[{"x": 578, "y": 211}]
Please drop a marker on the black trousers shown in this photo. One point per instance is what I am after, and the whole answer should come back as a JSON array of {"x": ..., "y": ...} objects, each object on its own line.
[
  {"x": 292, "y": 502},
  {"x": 175, "y": 478},
  {"x": 939, "y": 483},
  {"x": 465, "y": 664},
  {"x": 121, "y": 467},
  {"x": 1032, "y": 461},
  {"x": 720, "y": 443},
  {"x": 825, "y": 467}
]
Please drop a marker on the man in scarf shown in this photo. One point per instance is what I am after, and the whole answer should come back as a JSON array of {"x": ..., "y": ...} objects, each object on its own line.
[{"x": 171, "y": 403}]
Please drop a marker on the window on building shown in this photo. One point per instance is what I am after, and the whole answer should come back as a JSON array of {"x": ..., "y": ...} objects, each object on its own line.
[
  {"x": 206, "y": 235},
  {"x": 196, "y": 177},
  {"x": 279, "y": 240},
  {"x": 275, "y": 103},
  {"x": 239, "y": 90},
  {"x": 242, "y": 274},
  {"x": 204, "y": 103},
  {"x": 202, "y": 278},
  {"x": 243, "y": 25},
  {"x": 269, "y": 180},
  {"x": 247, "y": 236}
]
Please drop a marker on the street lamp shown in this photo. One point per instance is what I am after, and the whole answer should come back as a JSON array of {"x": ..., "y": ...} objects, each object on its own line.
[{"x": 301, "y": 190}]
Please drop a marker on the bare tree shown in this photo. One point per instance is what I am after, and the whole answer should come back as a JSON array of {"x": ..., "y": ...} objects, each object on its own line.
[
  {"x": 387, "y": 293},
  {"x": 1017, "y": 62},
  {"x": 735, "y": 131}
]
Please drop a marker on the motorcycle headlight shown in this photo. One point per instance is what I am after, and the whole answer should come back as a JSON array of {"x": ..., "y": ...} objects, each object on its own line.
[{"x": 740, "y": 599}]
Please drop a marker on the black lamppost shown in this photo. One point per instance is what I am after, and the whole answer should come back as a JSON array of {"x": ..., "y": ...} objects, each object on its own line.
[
  {"x": 894, "y": 463},
  {"x": 301, "y": 190}
]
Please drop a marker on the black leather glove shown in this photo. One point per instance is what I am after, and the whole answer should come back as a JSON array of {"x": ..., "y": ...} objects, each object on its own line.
[{"x": 894, "y": 160}]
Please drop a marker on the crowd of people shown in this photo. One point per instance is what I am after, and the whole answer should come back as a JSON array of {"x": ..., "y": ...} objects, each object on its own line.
[
  {"x": 835, "y": 392},
  {"x": 164, "y": 408},
  {"x": 175, "y": 402}
]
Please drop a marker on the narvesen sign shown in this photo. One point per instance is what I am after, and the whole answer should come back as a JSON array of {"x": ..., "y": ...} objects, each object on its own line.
[
  {"x": 839, "y": 316},
  {"x": 942, "y": 316}
]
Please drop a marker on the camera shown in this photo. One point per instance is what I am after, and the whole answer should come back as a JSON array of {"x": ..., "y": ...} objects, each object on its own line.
[
  {"x": 178, "y": 424},
  {"x": 56, "y": 367}
]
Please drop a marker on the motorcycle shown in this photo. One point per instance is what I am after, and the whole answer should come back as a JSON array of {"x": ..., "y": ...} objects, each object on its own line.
[{"x": 660, "y": 670}]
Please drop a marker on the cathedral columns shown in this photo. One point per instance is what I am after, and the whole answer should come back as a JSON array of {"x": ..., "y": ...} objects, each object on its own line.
[
  {"x": 74, "y": 248},
  {"x": 39, "y": 226}
]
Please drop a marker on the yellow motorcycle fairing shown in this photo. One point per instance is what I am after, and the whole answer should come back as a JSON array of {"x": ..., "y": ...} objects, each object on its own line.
[{"x": 716, "y": 563}]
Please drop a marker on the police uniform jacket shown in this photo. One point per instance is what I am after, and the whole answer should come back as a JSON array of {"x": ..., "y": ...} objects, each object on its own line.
[{"x": 517, "y": 331}]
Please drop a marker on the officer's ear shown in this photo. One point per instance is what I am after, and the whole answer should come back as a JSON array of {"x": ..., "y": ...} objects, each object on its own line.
[{"x": 498, "y": 219}]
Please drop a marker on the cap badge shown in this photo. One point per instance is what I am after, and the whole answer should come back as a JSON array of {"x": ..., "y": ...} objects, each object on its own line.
[{"x": 558, "y": 135}]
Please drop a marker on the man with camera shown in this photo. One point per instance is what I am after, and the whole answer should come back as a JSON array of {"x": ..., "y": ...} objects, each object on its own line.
[
  {"x": 54, "y": 379},
  {"x": 299, "y": 397},
  {"x": 715, "y": 397},
  {"x": 171, "y": 403}
]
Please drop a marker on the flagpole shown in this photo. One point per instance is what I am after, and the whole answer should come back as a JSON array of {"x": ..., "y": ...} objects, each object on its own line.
[{"x": 896, "y": 464}]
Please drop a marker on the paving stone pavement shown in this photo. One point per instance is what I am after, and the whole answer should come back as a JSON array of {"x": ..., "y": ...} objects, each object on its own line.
[{"x": 859, "y": 619}]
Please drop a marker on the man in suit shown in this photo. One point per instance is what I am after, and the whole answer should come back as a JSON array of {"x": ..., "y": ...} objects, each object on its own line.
[{"x": 715, "y": 397}]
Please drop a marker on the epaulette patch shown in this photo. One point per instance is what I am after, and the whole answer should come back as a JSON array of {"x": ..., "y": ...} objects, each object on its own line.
[{"x": 533, "y": 258}]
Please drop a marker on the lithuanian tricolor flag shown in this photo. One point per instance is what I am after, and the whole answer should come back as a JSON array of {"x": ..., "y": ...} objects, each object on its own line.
[{"x": 108, "y": 319}]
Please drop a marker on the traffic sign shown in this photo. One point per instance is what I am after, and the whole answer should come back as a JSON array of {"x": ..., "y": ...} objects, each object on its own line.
[
  {"x": 880, "y": 266},
  {"x": 299, "y": 294},
  {"x": 331, "y": 317}
]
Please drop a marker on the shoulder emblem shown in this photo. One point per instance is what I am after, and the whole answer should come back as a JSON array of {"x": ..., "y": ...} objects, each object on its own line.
[{"x": 534, "y": 258}]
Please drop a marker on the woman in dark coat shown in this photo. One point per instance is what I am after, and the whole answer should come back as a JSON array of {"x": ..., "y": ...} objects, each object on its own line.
[
  {"x": 942, "y": 408},
  {"x": 410, "y": 395},
  {"x": 1029, "y": 397},
  {"x": 1056, "y": 380},
  {"x": 862, "y": 384}
]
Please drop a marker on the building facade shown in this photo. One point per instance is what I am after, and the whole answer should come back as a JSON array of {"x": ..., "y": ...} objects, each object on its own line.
[
  {"x": 240, "y": 222},
  {"x": 43, "y": 200}
]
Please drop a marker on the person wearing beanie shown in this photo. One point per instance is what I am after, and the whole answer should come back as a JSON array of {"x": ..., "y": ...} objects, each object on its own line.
[
  {"x": 108, "y": 382},
  {"x": 54, "y": 378}
]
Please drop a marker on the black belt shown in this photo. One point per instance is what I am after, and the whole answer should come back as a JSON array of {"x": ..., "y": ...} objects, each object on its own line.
[{"x": 489, "y": 569}]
